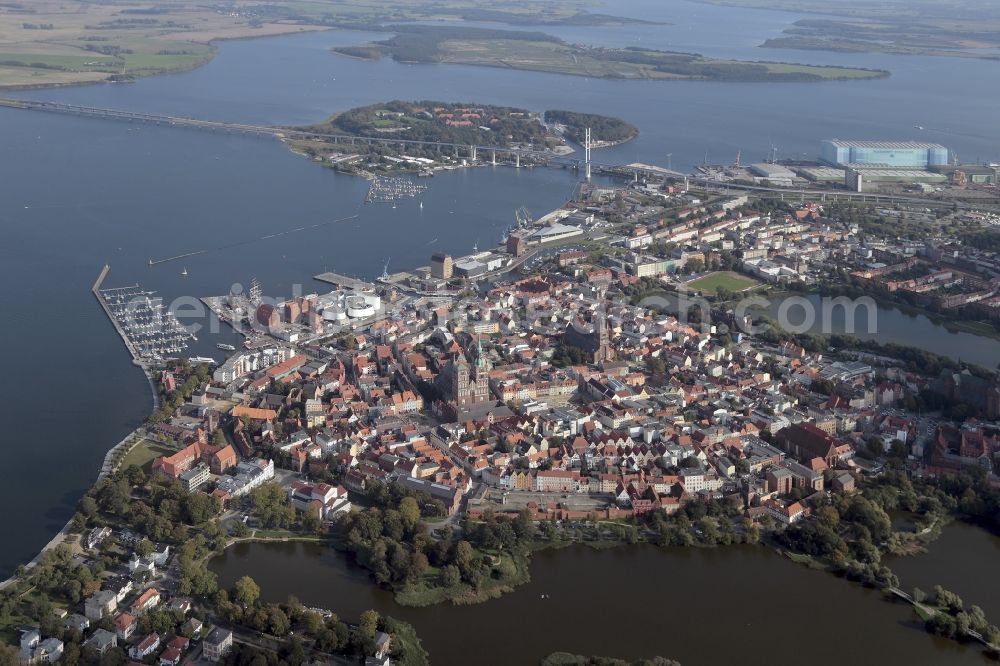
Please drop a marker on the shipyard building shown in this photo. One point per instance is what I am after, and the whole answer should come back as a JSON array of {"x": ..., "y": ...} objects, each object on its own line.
[{"x": 883, "y": 154}]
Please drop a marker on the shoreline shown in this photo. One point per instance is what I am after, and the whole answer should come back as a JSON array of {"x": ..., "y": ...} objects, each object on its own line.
[
  {"x": 181, "y": 69},
  {"x": 107, "y": 468},
  {"x": 108, "y": 462}
]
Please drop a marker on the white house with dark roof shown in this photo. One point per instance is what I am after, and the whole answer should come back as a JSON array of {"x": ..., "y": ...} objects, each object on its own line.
[{"x": 145, "y": 647}]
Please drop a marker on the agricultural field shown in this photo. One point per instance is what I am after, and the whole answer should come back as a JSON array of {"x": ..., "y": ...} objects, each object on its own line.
[
  {"x": 61, "y": 42},
  {"x": 727, "y": 280}
]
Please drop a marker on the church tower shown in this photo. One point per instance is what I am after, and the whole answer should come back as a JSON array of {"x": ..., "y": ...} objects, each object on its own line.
[
  {"x": 461, "y": 391},
  {"x": 481, "y": 391},
  {"x": 602, "y": 342}
]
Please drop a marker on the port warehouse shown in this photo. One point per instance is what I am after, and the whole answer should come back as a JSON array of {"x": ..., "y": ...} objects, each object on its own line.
[
  {"x": 976, "y": 174},
  {"x": 879, "y": 162},
  {"x": 883, "y": 154},
  {"x": 777, "y": 174}
]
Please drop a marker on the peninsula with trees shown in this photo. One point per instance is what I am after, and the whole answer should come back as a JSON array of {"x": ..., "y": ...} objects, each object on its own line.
[{"x": 540, "y": 52}]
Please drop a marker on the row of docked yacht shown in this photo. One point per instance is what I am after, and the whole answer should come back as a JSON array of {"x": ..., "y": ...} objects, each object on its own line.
[{"x": 152, "y": 331}]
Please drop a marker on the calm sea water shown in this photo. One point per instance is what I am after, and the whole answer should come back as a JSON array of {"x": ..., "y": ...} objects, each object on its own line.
[{"x": 76, "y": 194}]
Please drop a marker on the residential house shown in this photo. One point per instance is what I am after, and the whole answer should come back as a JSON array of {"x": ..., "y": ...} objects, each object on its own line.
[
  {"x": 100, "y": 604},
  {"x": 149, "y": 599},
  {"x": 102, "y": 641},
  {"x": 76, "y": 622},
  {"x": 383, "y": 644},
  {"x": 145, "y": 647},
  {"x": 125, "y": 625},
  {"x": 173, "y": 651},
  {"x": 217, "y": 644}
]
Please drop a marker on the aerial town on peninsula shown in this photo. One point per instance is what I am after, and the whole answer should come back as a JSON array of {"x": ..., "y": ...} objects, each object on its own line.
[
  {"x": 597, "y": 377},
  {"x": 500, "y": 332}
]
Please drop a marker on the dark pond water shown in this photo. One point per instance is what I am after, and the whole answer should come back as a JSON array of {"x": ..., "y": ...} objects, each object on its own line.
[{"x": 701, "y": 607}]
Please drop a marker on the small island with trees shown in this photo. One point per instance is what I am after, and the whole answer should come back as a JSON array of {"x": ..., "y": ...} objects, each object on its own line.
[
  {"x": 446, "y": 122},
  {"x": 363, "y": 140}
]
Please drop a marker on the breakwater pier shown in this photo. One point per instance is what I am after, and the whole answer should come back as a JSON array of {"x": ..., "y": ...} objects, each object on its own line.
[{"x": 149, "y": 330}]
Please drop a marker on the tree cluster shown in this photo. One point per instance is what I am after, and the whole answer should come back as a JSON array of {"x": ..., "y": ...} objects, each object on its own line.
[
  {"x": 161, "y": 509},
  {"x": 269, "y": 503},
  {"x": 953, "y": 621},
  {"x": 192, "y": 377},
  {"x": 389, "y": 495},
  {"x": 242, "y": 605},
  {"x": 603, "y": 128},
  {"x": 506, "y": 125},
  {"x": 707, "y": 523}
]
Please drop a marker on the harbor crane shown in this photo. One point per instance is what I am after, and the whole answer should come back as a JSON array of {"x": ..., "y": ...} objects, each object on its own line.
[{"x": 523, "y": 217}]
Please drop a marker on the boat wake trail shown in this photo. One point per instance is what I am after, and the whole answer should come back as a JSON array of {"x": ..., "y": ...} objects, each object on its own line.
[{"x": 154, "y": 262}]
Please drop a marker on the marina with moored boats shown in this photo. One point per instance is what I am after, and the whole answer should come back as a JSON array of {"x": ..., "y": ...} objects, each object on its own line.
[{"x": 150, "y": 331}]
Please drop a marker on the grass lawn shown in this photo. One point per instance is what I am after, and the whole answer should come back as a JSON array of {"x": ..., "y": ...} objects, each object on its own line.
[
  {"x": 10, "y": 625},
  {"x": 71, "y": 63},
  {"x": 712, "y": 282},
  {"x": 144, "y": 453},
  {"x": 285, "y": 534},
  {"x": 825, "y": 72}
]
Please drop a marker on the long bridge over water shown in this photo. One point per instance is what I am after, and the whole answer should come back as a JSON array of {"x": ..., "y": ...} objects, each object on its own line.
[
  {"x": 511, "y": 155},
  {"x": 493, "y": 153},
  {"x": 459, "y": 150}
]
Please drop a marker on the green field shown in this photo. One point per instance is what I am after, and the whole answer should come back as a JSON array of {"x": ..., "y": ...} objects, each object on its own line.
[
  {"x": 711, "y": 283},
  {"x": 71, "y": 63},
  {"x": 540, "y": 52},
  {"x": 144, "y": 453}
]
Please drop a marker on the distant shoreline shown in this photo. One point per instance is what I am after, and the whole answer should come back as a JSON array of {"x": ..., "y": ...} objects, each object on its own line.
[{"x": 540, "y": 52}]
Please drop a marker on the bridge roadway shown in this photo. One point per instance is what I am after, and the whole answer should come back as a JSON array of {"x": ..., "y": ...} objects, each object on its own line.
[{"x": 470, "y": 151}]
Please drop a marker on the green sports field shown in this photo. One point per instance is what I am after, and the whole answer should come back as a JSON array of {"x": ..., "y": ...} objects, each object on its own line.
[
  {"x": 144, "y": 453},
  {"x": 711, "y": 283}
]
